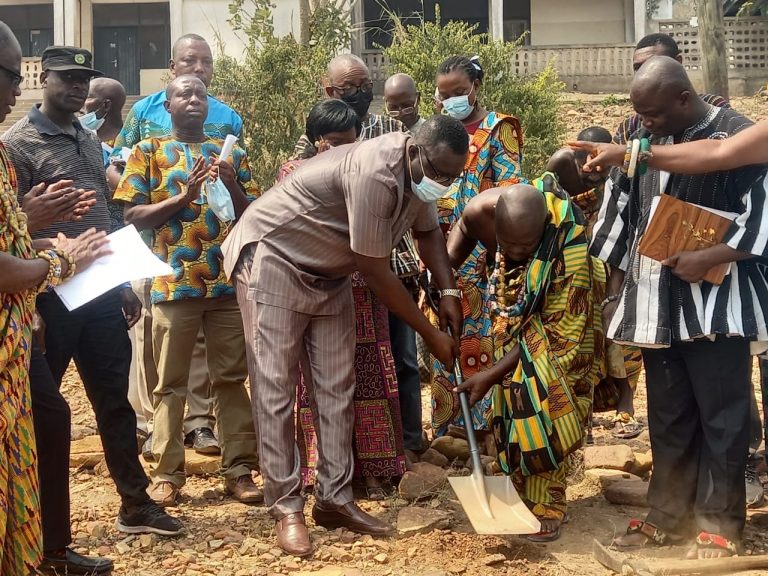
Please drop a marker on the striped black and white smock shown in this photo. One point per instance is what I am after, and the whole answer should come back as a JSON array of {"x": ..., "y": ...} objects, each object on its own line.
[{"x": 656, "y": 308}]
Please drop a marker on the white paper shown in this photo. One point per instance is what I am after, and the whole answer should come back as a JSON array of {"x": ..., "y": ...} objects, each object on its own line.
[
  {"x": 125, "y": 153},
  {"x": 227, "y": 147},
  {"x": 131, "y": 259}
]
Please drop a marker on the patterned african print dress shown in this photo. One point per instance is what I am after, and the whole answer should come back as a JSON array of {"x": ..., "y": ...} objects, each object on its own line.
[
  {"x": 549, "y": 308},
  {"x": 20, "y": 529},
  {"x": 495, "y": 159}
]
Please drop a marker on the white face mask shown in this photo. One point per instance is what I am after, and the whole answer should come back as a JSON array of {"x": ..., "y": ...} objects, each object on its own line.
[{"x": 427, "y": 190}]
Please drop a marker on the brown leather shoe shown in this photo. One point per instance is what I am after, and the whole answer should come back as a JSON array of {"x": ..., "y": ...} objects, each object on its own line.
[
  {"x": 348, "y": 516},
  {"x": 292, "y": 535},
  {"x": 244, "y": 489},
  {"x": 164, "y": 493}
]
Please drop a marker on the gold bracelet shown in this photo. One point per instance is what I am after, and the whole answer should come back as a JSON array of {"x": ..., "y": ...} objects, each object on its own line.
[
  {"x": 53, "y": 278},
  {"x": 71, "y": 266}
]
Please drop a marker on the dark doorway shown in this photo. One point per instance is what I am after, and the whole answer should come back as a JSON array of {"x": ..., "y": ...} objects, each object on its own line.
[
  {"x": 128, "y": 38},
  {"x": 116, "y": 55},
  {"x": 32, "y": 25}
]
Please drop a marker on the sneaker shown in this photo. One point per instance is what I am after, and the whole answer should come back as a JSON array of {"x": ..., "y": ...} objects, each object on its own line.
[
  {"x": 202, "y": 441},
  {"x": 754, "y": 488},
  {"x": 148, "y": 518}
]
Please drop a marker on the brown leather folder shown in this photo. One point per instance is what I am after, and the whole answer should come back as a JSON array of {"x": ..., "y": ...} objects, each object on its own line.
[{"x": 679, "y": 226}]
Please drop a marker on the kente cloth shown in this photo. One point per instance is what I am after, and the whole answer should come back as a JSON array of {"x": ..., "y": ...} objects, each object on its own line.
[
  {"x": 606, "y": 391},
  {"x": 378, "y": 434},
  {"x": 20, "y": 528},
  {"x": 656, "y": 307},
  {"x": 540, "y": 408},
  {"x": 495, "y": 159},
  {"x": 190, "y": 241}
]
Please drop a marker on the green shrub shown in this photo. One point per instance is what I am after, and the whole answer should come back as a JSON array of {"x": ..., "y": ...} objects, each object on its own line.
[
  {"x": 277, "y": 80},
  {"x": 419, "y": 49}
]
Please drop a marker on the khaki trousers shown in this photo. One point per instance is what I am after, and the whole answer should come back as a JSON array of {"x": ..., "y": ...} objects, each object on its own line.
[
  {"x": 279, "y": 339},
  {"x": 175, "y": 328},
  {"x": 143, "y": 380}
]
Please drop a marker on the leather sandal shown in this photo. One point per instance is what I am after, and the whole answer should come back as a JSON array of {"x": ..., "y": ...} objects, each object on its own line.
[
  {"x": 653, "y": 535},
  {"x": 709, "y": 541}
]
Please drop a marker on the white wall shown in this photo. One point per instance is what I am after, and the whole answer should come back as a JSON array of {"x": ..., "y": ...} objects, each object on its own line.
[
  {"x": 209, "y": 17},
  {"x": 559, "y": 22}
]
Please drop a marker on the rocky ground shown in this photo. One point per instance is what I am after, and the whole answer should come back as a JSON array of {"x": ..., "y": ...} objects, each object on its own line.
[{"x": 433, "y": 536}]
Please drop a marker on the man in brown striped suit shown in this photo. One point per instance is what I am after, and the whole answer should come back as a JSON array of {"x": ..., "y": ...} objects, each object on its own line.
[{"x": 290, "y": 256}]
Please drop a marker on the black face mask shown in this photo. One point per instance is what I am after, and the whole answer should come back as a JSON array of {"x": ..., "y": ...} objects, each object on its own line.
[{"x": 359, "y": 102}]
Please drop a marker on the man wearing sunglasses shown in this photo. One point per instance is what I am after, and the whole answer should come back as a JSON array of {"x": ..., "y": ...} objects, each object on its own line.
[{"x": 402, "y": 98}]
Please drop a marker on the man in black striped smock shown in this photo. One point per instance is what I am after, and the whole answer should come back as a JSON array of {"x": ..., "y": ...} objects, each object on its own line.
[{"x": 696, "y": 337}]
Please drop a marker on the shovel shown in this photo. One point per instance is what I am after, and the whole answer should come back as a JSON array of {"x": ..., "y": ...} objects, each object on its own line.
[{"x": 490, "y": 502}]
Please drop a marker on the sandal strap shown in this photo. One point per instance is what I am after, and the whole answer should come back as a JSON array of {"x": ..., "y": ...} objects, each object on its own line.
[
  {"x": 649, "y": 531},
  {"x": 709, "y": 540}
]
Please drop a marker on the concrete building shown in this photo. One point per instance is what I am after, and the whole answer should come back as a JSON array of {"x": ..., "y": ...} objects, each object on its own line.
[{"x": 130, "y": 39}]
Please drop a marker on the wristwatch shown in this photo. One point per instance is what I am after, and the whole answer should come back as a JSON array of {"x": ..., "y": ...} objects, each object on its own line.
[{"x": 456, "y": 293}]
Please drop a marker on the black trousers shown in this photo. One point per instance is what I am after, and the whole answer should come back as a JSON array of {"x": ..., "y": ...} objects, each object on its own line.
[
  {"x": 698, "y": 416},
  {"x": 96, "y": 337},
  {"x": 403, "y": 340},
  {"x": 52, "y": 435}
]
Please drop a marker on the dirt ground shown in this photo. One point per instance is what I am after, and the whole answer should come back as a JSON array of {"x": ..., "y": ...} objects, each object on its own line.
[{"x": 227, "y": 538}]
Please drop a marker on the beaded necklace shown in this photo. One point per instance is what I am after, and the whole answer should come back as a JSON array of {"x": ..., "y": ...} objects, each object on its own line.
[{"x": 508, "y": 287}]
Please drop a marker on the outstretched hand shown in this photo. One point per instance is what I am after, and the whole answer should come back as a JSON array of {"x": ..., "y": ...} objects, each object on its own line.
[{"x": 601, "y": 155}]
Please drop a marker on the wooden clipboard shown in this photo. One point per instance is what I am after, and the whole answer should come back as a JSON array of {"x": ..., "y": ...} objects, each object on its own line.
[{"x": 678, "y": 226}]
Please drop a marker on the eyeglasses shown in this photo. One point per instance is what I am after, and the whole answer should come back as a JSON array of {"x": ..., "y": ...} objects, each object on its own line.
[
  {"x": 437, "y": 176},
  {"x": 13, "y": 76},
  {"x": 402, "y": 112},
  {"x": 347, "y": 90}
]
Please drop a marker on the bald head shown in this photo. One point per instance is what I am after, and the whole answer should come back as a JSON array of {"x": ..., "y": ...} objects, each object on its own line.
[
  {"x": 521, "y": 213},
  {"x": 186, "y": 99},
  {"x": 663, "y": 95},
  {"x": 106, "y": 97},
  {"x": 400, "y": 84},
  {"x": 401, "y": 99},
  {"x": 343, "y": 63},
  {"x": 660, "y": 73}
]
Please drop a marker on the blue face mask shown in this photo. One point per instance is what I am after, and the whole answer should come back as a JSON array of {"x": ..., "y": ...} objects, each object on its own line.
[
  {"x": 91, "y": 122},
  {"x": 458, "y": 106},
  {"x": 426, "y": 190}
]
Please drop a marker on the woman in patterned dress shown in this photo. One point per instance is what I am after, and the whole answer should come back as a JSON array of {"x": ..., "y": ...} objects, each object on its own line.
[{"x": 495, "y": 159}]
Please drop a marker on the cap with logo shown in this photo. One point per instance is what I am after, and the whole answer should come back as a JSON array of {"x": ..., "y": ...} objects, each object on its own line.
[{"x": 62, "y": 58}]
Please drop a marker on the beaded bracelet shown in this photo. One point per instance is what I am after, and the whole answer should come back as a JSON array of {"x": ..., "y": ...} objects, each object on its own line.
[
  {"x": 644, "y": 156},
  {"x": 53, "y": 278},
  {"x": 633, "y": 158},
  {"x": 627, "y": 157},
  {"x": 71, "y": 266}
]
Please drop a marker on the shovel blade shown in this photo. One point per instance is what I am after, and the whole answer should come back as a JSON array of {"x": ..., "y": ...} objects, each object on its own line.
[{"x": 508, "y": 513}]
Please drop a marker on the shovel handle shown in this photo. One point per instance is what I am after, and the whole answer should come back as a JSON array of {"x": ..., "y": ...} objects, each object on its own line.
[{"x": 474, "y": 452}]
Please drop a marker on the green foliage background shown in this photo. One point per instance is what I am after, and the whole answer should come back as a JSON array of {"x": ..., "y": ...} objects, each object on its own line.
[
  {"x": 277, "y": 80},
  {"x": 420, "y": 48}
]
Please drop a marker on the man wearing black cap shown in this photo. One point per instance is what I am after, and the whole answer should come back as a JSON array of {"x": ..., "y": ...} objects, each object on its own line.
[{"x": 45, "y": 146}]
